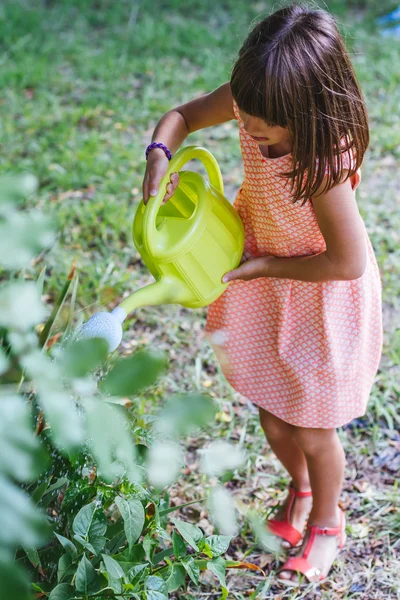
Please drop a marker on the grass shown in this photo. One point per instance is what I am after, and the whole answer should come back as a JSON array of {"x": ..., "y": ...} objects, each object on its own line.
[{"x": 84, "y": 83}]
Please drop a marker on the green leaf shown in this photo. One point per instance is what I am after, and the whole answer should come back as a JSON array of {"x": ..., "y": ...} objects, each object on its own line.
[
  {"x": 33, "y": 556},
  {"x": 176, "y": 578},
  {"x": 218, "y": 543},
  {"x": 64, "y": 591},
  {"x": 45, "y": 333},
  {"x": 68, "y": 546},
  {"x": 132, "y": 512},
  {"x": 179, "y": 545},
  {"x": 135, "y": 573},
  {"x": 83, "y": 356},
  {"x": 130, "y": 375},
  {"x": 96, "y": 544},
  {"x": 64, "y": 565},
  {"x": 192, "y": 569},
  {"x": 21, "y": 454},
  {"x": 135, "y": 554},
  {"x": 113, "y": 568},
  {"x": 190, "y": 533},
  {"x": 90, "y": 522},
  {"x": 115, "y": 543},
  {"x": 114, "y": 572},
  {"x": 87, "y": 580},
  {"x": 156, "y": 588},
  {"x": 218, "y": 567},
  {"x": 76, "y": 494}
]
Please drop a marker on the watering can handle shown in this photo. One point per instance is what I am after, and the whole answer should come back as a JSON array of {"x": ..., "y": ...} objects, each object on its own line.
[{"x": 182, "y": 157}]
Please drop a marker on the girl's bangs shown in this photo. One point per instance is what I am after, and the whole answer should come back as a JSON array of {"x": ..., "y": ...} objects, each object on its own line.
[{"x": 253, "y": 96}]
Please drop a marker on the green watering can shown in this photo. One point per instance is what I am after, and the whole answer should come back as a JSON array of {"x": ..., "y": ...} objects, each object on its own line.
[{"x": 187, "y": 244}]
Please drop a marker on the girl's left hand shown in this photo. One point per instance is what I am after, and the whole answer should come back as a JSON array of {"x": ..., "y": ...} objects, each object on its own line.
[{"x": 249, "y": 269}]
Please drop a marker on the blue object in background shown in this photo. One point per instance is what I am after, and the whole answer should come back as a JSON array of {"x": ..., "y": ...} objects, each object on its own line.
[{"x": 391, "y": 17}]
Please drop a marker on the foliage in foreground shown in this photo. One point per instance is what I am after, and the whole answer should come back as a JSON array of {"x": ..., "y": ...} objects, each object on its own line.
[{"x": 84, "y": 505}]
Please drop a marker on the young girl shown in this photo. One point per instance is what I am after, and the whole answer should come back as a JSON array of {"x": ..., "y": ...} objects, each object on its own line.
[{"x": 299, "y": 329}]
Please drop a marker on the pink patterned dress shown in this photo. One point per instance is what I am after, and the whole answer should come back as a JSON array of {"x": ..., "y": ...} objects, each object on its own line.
[{"x": 307, "y": 352}]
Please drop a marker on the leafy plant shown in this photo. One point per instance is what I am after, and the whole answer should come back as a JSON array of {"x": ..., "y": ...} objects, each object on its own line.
[{"x": 90, "y": 516}]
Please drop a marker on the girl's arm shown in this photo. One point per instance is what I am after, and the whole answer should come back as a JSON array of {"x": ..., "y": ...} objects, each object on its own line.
[
  {"x": 174, "y": 127},
  {"x": 345, "y": 255}
]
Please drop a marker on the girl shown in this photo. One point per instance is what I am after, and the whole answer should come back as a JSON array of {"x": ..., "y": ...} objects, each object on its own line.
[{"x": 299, "y": 329}]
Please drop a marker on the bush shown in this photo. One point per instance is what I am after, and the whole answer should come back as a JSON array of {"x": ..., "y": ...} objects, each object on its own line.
[{"x": 84, "y": 504}]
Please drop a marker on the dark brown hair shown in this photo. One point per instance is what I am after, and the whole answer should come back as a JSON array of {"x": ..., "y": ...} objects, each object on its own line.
[{"x": 293, "y": 70}]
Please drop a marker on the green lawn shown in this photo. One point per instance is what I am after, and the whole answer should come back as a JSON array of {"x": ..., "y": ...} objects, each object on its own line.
[{"x": 83, "y": 84}]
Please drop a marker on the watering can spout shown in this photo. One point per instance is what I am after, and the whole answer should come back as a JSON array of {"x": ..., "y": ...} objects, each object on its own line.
[{"x": 163, "y": 291}]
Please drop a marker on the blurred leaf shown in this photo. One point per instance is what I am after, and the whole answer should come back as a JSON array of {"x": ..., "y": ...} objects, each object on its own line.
[
  {"x": 64, "y": 591},
  {"x": 17, "y": 187},
  {"x": 14, "y": 584},
  {"x": 222, "y": 511},
  {"x": 83, "y": 356},
  {"x": 21, "y": 456},
  {"x": 60, "y": 409},
  {"x": 20, "y": 523},
  {"x": 185, "y": 412},
  {"x": 132, "y": 512},
  {"x": 130, "y": 375},
  {"x": 4, "y": 362},
  {"x": 20, "y": 305},
  {"x": 22, "y": 236},
  {"x": 110, "y": 440},
  {"x": 164, "y": 461},
  {"x": 219, "y": 457},
  {"x": 87, "y": 580},
  {"x": 190, "y": 533}
]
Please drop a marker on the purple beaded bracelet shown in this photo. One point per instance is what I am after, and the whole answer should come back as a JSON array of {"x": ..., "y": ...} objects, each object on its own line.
[{"x": 158, "y": 145}]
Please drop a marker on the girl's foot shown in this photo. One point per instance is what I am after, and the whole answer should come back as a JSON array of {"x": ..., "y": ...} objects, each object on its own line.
[
  {"x": 322, "y": 553},
  {"x": 298, "y": 514}
]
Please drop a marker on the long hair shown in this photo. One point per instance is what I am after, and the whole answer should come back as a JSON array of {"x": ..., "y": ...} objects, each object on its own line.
[{"x": 293, "y": 70}]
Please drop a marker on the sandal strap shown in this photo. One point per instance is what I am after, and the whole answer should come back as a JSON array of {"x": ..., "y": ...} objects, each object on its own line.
[
  {"x": 300, "y": 564},
  {"x": 299, "y": 494},
  {"x": 324, "y": 530},
  {"x": 285, "y": 530}
]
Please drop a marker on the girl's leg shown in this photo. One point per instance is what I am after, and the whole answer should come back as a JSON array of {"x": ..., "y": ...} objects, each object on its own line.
[
  {"x": 280, "y": 436},
  {"x": 326, "y": 462}
]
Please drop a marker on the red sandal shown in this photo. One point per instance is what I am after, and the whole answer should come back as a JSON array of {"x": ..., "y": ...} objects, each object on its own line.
[
  {"x": 284, "y": 529},
  {"x": 301, "y": 564}
]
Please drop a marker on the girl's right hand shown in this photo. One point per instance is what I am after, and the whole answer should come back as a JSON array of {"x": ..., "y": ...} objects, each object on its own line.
[{"x": 157, "y": 166}]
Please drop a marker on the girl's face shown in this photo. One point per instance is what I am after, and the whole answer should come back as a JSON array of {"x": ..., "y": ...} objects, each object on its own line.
[{"x": 261, "y": 132}]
